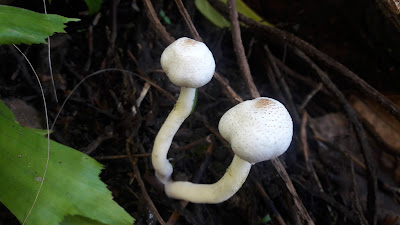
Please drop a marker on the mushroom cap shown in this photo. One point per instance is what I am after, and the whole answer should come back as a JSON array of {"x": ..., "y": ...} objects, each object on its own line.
[
  {"x": 188, "y": 63},
  {"x": 258, "y": 129}
]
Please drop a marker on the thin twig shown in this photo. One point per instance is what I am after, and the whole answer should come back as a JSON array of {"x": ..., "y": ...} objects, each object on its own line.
[
  {"x": 305, "y": 80},
  {"x": 146, "y": 195},
  {"x": 356, "y": 201},
  {"x": 281, "y": 79},
  {"x": 308, "y": 98},
  {"x": 272, "y": 81},
  {"x": 208, "y": 139},
  {"x": 303, "y": 138},
  {"x": 156, "y": 24},
  {"x": 90, "y": 41},
  {"x": 210, "y": 128},
  {"x": 141, "y": 183},
  {"x": 96, "y": 143},
  {"x": 188, "y": 21},
  {"x": 118, "y": 103},
  {"x": 270, "y": 204},
  {"x": 297, "y": 201},
  {"x": 24, "y": 69},
  {"x": 306, "y": 150},
  {"x": 228, "y": 90},
  {"x": 113, "y": 37},
  {"x": 239, "y": 50}
]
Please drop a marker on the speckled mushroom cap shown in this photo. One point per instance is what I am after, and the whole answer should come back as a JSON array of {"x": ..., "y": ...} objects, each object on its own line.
[
  {"x": 188, "y": 63},
  {"x": 258, "y": 129}
]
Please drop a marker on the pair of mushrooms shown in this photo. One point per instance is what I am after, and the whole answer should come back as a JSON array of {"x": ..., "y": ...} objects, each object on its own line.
[{"x": 258, "y": 129}]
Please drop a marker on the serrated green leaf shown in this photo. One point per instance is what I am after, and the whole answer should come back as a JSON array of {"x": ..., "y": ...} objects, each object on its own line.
[
  {"x": 72, "y": 191},
  {"x": 218, "y": 20},
  {"x": 19, "y": 25},
  {"x": 93, "y": 5}
]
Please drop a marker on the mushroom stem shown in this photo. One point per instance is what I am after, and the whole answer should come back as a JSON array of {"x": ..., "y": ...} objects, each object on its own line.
[
  {"x": 162, "y": 143},
  {"x": 220, "y": 191}
]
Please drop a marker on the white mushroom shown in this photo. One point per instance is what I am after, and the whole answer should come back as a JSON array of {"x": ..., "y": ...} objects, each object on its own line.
[
  {"x": 258, "y": 130},
  {"x": 190, "y": 65}
]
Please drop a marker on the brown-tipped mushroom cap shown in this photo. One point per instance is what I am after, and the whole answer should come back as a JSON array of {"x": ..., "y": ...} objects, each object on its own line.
[
  {"x": 188, "y": 63},
  {"x": 258, "y": 129}
]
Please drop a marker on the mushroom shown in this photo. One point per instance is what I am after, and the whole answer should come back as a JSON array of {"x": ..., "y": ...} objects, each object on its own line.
[
  {"x": 190, "y": 65},
  {"x": 258, "y": 130}
]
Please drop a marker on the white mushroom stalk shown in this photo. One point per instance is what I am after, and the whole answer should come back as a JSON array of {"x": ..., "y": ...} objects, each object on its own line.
[
  {"x": 258, "y": 130},
  {"x": 190, "y": 65}
]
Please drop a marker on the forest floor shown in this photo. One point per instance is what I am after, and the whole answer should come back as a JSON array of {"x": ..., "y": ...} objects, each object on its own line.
[{"x": 334, "y": 64}]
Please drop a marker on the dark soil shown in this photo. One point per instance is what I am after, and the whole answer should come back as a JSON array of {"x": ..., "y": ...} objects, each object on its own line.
[{"x": 356, "y": 33}]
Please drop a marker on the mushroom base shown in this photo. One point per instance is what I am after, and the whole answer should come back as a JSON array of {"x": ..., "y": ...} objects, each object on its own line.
[{"x": 220, "y": 191}]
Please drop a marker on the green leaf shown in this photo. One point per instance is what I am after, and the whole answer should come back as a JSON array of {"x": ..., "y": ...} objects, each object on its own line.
[
  {"x": 165, "y": 17},
  {"x": 218, "y": 20},
  {"x": 93, "y": 5},
  {"x": 41, "y": 132},
  {"x": 24, "y": 26},
  {"x": 248, "y": 12},
  {"x": 211, "y": 14},
  {"x": 72, "y": 191},
  {"x": 78, "y": 220}
]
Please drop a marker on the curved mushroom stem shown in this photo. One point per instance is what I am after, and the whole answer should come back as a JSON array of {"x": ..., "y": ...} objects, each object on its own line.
[
  {"x": 162, "y": 143},
  {"x": 220, "y": 191}
]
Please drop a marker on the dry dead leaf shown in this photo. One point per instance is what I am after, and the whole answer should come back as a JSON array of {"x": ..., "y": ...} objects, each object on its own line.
[
  {"x": 330, "y": 126},
  {"x": 380, "y": 122}
]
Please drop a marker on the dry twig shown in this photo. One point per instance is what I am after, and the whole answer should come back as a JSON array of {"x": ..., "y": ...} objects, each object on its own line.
[
  {"x": 283, "y": 83},
  {"x": 140, "y": 181},
  {"x": 356, "y": 202},
  {"x": 297, "y": 201},
  {"x": 113, "y": 37},
  {"x": 188, "y": 21},
  {"x": 239, "y": 50},
  {"x": 270, "y": 204},
  {"x": 155, "y": 22}
]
